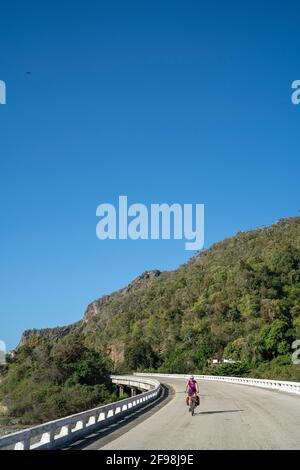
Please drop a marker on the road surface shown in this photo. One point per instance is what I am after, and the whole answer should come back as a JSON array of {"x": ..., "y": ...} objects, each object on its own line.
[{"x": 230, "y": 416}]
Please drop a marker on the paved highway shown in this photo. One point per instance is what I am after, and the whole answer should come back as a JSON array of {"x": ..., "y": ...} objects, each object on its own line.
[{"x": 230, "y": 416}]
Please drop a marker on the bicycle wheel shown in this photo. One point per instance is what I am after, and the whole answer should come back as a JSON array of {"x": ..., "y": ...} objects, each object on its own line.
[{"x": 193, "y": 407}]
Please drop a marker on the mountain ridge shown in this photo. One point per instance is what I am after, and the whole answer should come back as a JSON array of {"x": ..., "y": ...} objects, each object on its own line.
[
  {"x": 239, "y": 299},
  {"x": 174, "y": 299},
  {"x": 61, "y": 331}
]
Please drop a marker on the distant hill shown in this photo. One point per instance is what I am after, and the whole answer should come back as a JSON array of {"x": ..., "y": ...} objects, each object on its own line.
[
  {"x": 222, "y": 302},
  {"x": 238, "y": 300}
]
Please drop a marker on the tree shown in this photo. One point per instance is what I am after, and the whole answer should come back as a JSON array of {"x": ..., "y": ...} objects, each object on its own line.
[
  {"x": 275, "y": 339},
  {"x": 139, "y": 355}
]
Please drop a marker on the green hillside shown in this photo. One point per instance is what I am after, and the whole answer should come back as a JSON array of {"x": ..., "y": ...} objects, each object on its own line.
[{"x": 239, "y": 300}]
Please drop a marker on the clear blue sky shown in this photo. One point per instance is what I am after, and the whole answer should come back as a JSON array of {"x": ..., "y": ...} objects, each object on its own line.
[{"x": 162, "y": 101}]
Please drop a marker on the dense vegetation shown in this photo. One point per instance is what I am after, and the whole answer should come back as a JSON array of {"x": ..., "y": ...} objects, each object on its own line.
[
  {"x": 240, "y": 299},
  {"x": 47, "y": 380}
]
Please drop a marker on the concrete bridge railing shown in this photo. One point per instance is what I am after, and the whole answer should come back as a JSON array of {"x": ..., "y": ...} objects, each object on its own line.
[
  {"x": 283, "y": 386},
  {"x": 64, "y": 431}
]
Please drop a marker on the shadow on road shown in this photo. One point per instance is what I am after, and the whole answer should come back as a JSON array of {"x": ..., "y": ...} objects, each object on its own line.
[
  {"x": 114, "y": 430},
  {"x": 215, "y": 412}
]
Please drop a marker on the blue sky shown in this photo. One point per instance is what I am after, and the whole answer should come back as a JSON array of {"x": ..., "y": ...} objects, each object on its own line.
[{"x": 184, "y": 102}]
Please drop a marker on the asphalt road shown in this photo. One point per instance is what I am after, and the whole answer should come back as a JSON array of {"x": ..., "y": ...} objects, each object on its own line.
[{"x": 230, "y": 416}]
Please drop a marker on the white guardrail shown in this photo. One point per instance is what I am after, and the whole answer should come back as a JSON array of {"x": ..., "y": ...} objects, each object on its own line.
[
  {"x": 288, "y": 387},
  {"x": 62, "y": 432}
]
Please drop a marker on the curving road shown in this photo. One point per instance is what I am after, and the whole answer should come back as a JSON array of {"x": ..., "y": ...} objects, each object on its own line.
[{"x": 230, "y": 416}]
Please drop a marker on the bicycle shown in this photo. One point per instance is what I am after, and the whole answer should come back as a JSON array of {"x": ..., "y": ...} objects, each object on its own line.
[{"x": 194, "y": 404}]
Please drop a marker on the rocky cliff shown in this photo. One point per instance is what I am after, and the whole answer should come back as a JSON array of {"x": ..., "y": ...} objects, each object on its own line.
[{"x": 94, "y": 309}]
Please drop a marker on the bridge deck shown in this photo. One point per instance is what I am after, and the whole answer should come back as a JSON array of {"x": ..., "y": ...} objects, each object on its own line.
[{"x": 230, "y": 417}]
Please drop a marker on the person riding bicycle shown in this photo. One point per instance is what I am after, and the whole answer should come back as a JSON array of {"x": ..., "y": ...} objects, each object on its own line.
[{"x": 192, "y": 389}]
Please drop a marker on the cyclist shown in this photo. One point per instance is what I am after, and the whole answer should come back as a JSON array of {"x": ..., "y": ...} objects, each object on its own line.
[{"x": 191, "y": 389}]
